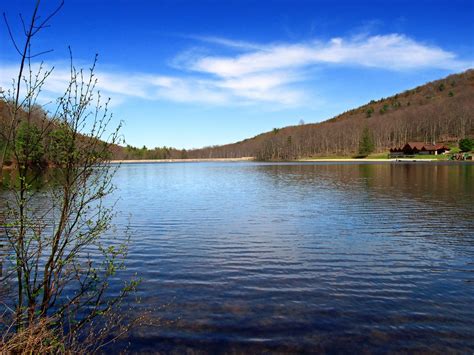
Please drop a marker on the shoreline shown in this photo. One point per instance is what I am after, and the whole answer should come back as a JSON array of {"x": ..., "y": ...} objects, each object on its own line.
[
  {"x": 341, "y": 160},
  {"x": 303, "y": 160},
  {"x": 385, "y": 160},
  {"x": 137, "y": 161}
]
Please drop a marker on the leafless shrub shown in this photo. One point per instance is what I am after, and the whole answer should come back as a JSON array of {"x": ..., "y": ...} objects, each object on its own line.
[{"x": 61, "y": 267}]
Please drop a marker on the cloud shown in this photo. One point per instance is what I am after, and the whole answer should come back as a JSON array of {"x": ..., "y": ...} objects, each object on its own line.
[
  {"x": 255, "y": 74},
  {"x": 188, "y": 89},
  {"x": 244, "y": 45},
  {"x": 391, "y": 52}
]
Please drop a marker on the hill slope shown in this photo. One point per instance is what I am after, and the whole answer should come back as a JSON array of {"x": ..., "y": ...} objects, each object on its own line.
[{"x": 439, "y": 111}]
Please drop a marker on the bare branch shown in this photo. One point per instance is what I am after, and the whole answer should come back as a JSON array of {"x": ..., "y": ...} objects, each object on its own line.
[
  {"x": 49, "y": 17},
  {"x": 12, "y": 38}
]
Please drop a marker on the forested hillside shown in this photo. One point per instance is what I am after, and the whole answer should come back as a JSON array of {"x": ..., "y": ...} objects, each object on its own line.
[
  {"x": 33, "y": 129},
  {"x": 440, "y": 111}
]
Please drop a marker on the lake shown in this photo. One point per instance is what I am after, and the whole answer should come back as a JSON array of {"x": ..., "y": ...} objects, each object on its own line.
[
  {"x": 291, "y": 257},
  {"x": 243, "y": 257}
]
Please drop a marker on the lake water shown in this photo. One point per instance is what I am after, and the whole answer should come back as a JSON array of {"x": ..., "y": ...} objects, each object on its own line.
[
  {"x": 305, "y": 257},
  {"x": 249, "y": 257}
]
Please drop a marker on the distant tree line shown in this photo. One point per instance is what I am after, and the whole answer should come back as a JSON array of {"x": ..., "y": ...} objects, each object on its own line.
[{"x": 134, "y": 153}]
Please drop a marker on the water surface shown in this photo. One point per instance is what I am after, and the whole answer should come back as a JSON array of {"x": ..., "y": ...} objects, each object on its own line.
[{"x": 302, "y": 257}]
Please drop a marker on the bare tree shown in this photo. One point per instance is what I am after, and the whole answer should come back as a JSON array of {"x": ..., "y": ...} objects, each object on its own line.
[
  {"x": 33, "y": 84},
  {"x": 61, "y": 264}
]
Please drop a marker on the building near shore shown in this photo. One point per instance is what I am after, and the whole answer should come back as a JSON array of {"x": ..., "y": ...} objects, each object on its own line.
[{"x": 414, "y": 148}]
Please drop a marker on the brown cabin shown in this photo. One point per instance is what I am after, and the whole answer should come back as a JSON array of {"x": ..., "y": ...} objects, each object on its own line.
[{"x": 413, "y": 148}]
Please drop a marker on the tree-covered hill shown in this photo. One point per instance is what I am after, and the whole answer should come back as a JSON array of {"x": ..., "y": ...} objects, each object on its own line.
[{"x": 439, "y": 111}]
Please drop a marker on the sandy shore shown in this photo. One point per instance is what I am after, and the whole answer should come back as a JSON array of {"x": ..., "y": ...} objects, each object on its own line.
[
  {"x": 179, "y": 160},
  {"x": 329, "y": 160},
  {"x": 353, "y": 159}
]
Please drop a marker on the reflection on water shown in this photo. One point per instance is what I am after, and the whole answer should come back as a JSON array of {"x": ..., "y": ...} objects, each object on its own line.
[
  {"x": 36, "y": 179},
  {"x": 302, "y": 257}
]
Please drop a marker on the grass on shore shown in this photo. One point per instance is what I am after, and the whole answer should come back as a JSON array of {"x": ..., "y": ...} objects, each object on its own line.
[
  {"x": 344, "y": 157},
  {"x": 375, "y": 156}
]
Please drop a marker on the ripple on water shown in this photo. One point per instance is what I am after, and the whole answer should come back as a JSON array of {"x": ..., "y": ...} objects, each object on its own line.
[{"x": 302, "y": 257}]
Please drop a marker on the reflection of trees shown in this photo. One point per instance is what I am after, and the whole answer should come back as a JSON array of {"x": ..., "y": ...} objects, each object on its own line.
[
  {"x": 437, "y": 187},
  {"x": 432, "y": 202},
  {"x": 413, "y": 181}
]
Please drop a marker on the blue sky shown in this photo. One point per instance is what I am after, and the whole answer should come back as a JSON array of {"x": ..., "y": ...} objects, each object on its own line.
[{"x": 195, "y": 73}]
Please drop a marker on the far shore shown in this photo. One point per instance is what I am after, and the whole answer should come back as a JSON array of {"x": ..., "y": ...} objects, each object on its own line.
[
  {"x": 334, "y": 160},
  {"x": 136, "y": 161},
  {"x": 351, "y": 159},
  {"x": 302, "y": 160},
  {"x": 387, "y": 160}
]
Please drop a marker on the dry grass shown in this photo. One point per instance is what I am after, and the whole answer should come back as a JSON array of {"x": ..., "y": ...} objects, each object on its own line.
[
  {"x": 38, "y": 338},
  {"x": 46, "y": 336}
]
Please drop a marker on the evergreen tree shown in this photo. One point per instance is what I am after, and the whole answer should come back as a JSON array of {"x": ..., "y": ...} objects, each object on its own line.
[
  {"x": 366, "y": 143},
  {"x": 466, "y": 144}
]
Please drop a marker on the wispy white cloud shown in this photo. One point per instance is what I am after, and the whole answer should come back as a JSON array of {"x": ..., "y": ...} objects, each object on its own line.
[
  {"x": 182, "y": 89},
  {"x": 275, "y": 74},
  {"x": 391, "y": 52},
  {"x": 244, "y": 45}
]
